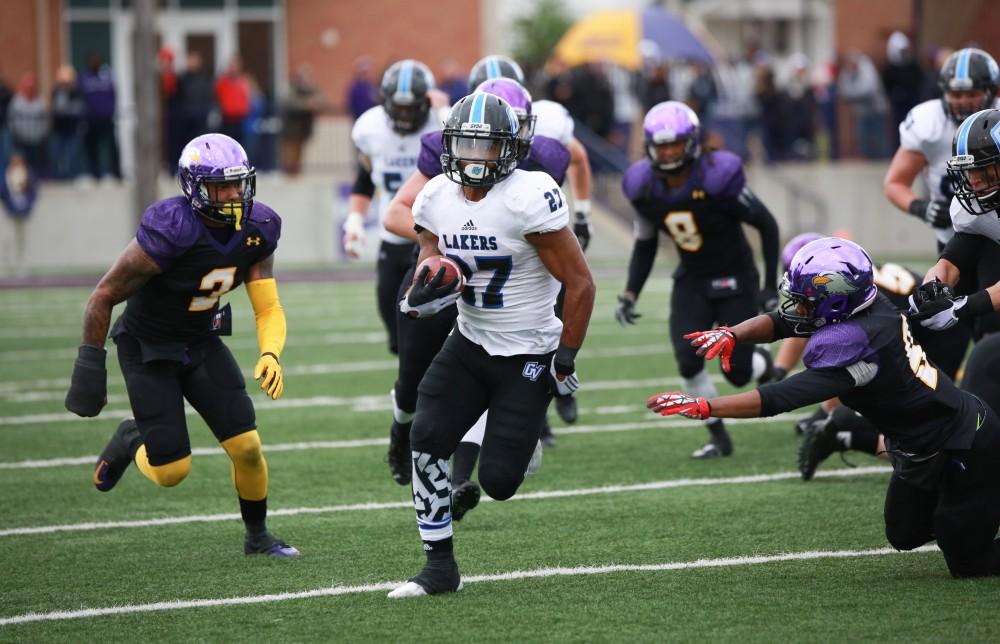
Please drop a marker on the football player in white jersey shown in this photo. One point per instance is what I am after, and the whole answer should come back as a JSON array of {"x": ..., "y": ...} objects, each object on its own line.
[
  {"x": 968, "y": 82},
  {"x": 388, "y": 141},
  {"x": 552, "y": 121},
  {"x": 509, "y": 232},
  {"x": 975, "y": 214}
]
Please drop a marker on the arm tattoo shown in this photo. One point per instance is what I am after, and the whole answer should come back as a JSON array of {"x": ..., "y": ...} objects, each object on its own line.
[{"x": 131, "y": 270}]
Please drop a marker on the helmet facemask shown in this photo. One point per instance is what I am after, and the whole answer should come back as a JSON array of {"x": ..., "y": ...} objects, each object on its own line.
[
  {"x": 408, "y": 113},
  {"x": 525, "y": 133},
  {"x": 204, "y": 195},
  {"x": 977, "y": 184},
  {"x": 478, "y": 161},
  {"x": 667, "y": 164}
]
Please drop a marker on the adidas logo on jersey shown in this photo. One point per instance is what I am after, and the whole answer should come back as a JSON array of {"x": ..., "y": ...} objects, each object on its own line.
[{"x": 469, "y": 225}]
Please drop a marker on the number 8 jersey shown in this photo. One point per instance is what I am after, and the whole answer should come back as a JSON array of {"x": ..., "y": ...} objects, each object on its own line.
[
  {"x": 507, "y": 304},
  {"x": 702, "y": 216},
  {"x": 178, "y": 305}
]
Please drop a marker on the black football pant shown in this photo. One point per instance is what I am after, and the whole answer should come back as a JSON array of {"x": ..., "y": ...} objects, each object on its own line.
[
  {"x": 462, "y": 382},
  {"x": 393, "y": 262},
  {"x": 695, "y": 305},
  {"x": 982, "y": 371},
  {"x": 210, "y": 380},
  {"x": 418, "y": 341},
  {"x": 956, "y": 500}
]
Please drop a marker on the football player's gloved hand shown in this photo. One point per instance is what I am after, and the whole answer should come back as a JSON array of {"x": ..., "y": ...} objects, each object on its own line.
[
  {"x": 625, "y": 311},
  {"x": 562, "y": 372},
  {"x": 88, "y": 386},
  {"x": 268, "y": 371},
  {"x": 581, "y": 228},
  {"x": 933, "y": 212},
  {"x": 932, "y": 305},
  {"x": 717, "y": 342},
  {"x": 670, "y": 403},
  {"x": 425, "y": 299},
  {"x": 767, "y": 300},
  {"x": 354, "y": 234}
]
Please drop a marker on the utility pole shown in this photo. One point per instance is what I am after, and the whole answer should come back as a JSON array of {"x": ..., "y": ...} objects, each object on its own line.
[{"x": 147, "y": 105}]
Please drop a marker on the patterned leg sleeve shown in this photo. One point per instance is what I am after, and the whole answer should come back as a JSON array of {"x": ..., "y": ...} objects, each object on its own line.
[{"x": 432, "y": 496}]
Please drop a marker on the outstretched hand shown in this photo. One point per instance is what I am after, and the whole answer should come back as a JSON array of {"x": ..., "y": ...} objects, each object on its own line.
[{"x": 717, "y": 342}]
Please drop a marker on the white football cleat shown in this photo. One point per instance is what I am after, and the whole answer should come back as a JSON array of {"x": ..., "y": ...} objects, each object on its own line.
[
  {"x": 535, "y": 463},
  {"x": 413, "y": 589}
]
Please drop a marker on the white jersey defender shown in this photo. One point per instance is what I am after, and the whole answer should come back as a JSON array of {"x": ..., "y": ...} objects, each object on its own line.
[
  {"x": 929, "y": 131},
  {"x": 552, "y": 120},
  {"x": 393, "y": 158},
  {"x": 507, "y": 304}
]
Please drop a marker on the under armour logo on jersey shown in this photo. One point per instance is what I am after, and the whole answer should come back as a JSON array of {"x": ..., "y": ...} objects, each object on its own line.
[
  {"x": 697, "y": 194},
  {"x": 253, "y": 241},
  {"x": 469, "y": 225},
  {"x": 532, "y": 370}
]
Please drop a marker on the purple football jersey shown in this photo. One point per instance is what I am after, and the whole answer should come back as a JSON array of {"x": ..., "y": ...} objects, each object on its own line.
[
  {"x": 702, "y": 216},
  {"x": 197, "y": 268}
]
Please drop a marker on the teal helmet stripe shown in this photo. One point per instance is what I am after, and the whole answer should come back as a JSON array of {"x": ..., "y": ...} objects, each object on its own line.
[
  {"x": 962, "y": 141},
  {"x": 405, "y": 77},
  {"x": 478, "y": 110},
  {"x": 962, "y": 66},
  {"x": 995, "y": 133},
  {"x": 493, "y": 68}
]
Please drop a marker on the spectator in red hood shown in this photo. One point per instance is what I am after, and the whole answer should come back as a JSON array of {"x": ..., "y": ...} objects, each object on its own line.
[{"x": 232, "y": 91}]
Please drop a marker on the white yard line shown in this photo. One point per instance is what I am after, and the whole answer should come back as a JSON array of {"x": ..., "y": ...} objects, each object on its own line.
[
  {"x": 649, "y": 422},
  {"x": 514, "y": 575},
  {"x": 368, "y": 506}
]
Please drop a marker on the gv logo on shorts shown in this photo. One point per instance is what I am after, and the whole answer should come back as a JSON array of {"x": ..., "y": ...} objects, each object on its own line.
[{"x": 532, "y": 370}]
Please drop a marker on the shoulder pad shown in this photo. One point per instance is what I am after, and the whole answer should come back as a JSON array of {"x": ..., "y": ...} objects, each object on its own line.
[
  {"x": 172, "y": 219},
  {"x": 266, "y": 220},
  {"x": 551, "y": 156},
  {"x": 722, "y": 174},
  {"x": 368, "y": 126},
  {"x": 837, "y": 345},
  {"x": 635, "y": 183},
  {"x": 924, "y": 123},
  {"x": 526, "y": 191}
]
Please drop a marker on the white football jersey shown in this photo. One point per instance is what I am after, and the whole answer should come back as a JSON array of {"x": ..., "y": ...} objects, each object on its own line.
[
  {"x": 393, "y": 158},
  {"x": 929, "y": 131},
  {"x": 552, "y": 121},
  {"x": 986, "y": 224},
  {"x": 507, "y": 304}
]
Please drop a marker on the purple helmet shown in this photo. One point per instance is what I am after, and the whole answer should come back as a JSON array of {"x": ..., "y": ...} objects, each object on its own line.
[
  {"x": 668, "y": 122},
  {"x": 210, "y": 160},
  {"x": 794, "y": 245},
  {"x": 829, "y": 280},
  {"x": 520, "y": 100}
]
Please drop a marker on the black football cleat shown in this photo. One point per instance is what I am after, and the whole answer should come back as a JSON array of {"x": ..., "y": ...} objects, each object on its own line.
[
  {"x": 399, "y": 458},
  {"x": 116, "y": 456},
  {"x": 435, "y": 579},
  {"x": 804, "y": 423},
  {"x": 566, "y": 408},
  {"x": 268, "y": 544},
  {"x": 464, "y": 497},
  {"x": 819, "y": 441},
  {"x": 719, "y": 445},
  {"x": 548, "y": 438}
]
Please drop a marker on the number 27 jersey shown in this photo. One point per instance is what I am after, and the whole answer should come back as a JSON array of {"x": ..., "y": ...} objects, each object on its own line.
[{"x": 507, "y": 304}]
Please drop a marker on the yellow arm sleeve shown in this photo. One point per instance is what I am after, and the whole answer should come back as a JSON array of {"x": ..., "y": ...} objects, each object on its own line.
[{"x": 271, "y": 329}]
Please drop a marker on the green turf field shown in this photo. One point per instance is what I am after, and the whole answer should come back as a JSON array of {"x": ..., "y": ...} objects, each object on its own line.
[{"x": 620, "y": 536}]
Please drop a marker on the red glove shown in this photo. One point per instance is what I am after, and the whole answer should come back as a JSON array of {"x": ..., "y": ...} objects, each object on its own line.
[
  {"x": 677, "y": 402},
  {"x": 717, "y": 342}
]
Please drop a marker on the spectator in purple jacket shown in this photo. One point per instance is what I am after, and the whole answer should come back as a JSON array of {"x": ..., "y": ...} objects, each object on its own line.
[
  {"x": 98, "y": 90},
  {"x": 362, "y": 94}
]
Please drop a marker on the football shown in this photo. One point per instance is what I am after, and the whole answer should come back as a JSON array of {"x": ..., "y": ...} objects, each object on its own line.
[{"x": 435, "y": 263}]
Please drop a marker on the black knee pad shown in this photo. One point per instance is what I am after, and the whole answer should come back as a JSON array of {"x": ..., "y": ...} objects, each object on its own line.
[{"x": 905, "y": 537}]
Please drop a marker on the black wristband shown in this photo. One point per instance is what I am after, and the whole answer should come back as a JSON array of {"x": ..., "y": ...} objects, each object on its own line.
[
  {"x": 917, "y": 207},
  {"x": 979, "y": 303},
  {"x": 90, "y": 353},
  {"x": 565, "y": 360}
]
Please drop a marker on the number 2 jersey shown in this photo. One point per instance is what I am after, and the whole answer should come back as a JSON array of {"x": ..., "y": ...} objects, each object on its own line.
[
  {"x": 178, "y": 306},
  {"x": 393, "y": 158},
  {"x": 873, "y": 364},
  {"x": 507, "y": 304},
  {"x": 703, "y": 216}
]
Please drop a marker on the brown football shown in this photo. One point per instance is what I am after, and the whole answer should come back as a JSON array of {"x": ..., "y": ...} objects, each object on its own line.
[{"x": 435, "y": 263}]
